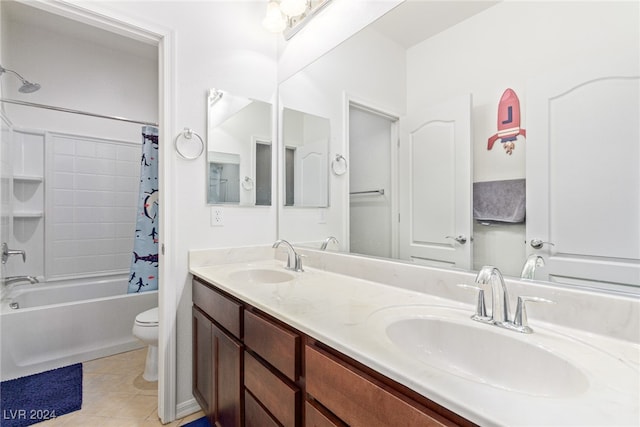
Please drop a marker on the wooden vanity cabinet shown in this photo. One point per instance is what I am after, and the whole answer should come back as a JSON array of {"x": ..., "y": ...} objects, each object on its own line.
[
  {"x": 252, "y": 370},
  {"x": 217, "y": 356}
]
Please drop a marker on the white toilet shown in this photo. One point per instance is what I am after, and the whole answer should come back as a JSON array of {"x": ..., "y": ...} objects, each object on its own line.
[{"x": 145, "y": 329}]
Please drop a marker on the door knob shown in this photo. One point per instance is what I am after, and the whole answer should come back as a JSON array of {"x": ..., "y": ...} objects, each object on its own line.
[
  {"x": 462, "y": 239},
  {"x": 538, "y": 243}
]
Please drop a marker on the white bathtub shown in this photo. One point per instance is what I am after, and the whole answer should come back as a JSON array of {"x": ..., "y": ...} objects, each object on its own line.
[{"x": 58, "y": 324}]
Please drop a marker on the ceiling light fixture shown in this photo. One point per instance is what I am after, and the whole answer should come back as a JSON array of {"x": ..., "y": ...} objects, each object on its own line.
[
  {"x": 293, "y": 7},
  {"x": 274, "y": 21},
  {"x": 289, "y": 16}
]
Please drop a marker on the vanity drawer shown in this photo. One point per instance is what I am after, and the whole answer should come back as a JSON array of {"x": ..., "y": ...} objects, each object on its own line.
[
  {"x": 280, "y": 399},
  {"x": 314, "y": 417},
  {"x": 255, "y": 415},
  {"x": 334, "y": 384},
  {"x": 222, "y": 309},
  {"x": 276, "y": 344}
]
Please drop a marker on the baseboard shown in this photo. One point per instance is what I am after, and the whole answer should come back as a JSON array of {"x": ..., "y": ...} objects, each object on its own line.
[{"x": 189, "y": 407}]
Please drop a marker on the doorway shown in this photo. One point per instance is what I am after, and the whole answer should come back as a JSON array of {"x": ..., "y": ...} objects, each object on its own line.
[
  {"x": 372, "y": 142},
  {"x": 160, "y": 39}
]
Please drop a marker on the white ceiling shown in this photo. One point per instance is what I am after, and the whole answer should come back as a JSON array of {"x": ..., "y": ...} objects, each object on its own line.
[{"x": 416, "y": 20}]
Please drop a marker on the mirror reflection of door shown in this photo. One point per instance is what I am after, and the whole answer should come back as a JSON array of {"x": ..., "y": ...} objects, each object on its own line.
[
  {"x": 306, "y": 159},
  {"x": 289, "y": 173},
  {"x": 435, "y": 185},
  {"x": 372, "y": 146},
  {"x": 585, "y": 123},
  {"x": 262, "y": 153}
]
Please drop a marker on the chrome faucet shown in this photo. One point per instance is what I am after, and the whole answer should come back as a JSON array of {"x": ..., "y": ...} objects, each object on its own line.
[
  {"x": 499, "y": 297},
  {"x": 530, "y": 265},
  {"x": 327, "y": 241},
  {"x": 6, "y": 253},
  {"x": 294, "y": 260},
  {"x": 17, "y": 279}
]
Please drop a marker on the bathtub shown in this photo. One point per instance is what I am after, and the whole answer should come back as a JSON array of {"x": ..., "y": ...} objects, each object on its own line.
[{"x": 58, "y": 324}]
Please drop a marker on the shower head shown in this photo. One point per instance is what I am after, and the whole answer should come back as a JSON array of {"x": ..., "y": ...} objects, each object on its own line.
[{"x": 27, "y": 86}]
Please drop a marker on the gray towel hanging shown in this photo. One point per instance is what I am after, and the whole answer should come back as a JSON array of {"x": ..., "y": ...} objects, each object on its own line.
[{"x": 499, "y": 201}]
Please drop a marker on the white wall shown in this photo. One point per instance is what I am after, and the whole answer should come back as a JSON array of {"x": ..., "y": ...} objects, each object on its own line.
[{"x": 501, "y": 48}]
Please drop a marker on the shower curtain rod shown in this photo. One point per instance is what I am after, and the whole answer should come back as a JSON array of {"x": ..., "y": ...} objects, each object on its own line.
[{"x": 68, "y": 110}]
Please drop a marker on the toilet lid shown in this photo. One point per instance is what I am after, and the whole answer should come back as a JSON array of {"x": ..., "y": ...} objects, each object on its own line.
[{"x": 148, "y": 317}]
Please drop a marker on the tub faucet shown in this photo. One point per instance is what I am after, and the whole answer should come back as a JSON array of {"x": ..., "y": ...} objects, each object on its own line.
[
  {"x": 530, "y": 265},
  {"x": 327, "y": 241},
  {"x": 294, "y": 260},
  {"x": 17, "y": 279},
  {"x": 499, "y": 297},
  {"x": 6, "y": 253}
]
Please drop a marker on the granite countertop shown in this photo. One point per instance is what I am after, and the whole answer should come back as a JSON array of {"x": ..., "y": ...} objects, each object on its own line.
[{"x": 349, "y": 314}]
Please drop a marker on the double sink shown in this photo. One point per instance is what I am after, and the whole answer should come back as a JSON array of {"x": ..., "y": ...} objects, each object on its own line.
[
  {"x": 432, "y": 345},
  {"x": 445, "y": 338}
]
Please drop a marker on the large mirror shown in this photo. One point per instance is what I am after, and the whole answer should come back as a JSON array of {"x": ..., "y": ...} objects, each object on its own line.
[
  {"x": 434, "y": 71},
  {"x": 239, "y": 150}
]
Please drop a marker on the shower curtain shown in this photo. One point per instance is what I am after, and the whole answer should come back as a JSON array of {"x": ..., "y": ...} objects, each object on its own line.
[{"x": 143, "y": 275}]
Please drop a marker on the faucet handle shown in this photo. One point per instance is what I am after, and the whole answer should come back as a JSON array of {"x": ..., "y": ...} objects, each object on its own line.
[
  {"x": 6, "y": 253},
  {"x": 298, "y": 265},
  {"x": 481, "y": 308},
  {"x": 520, "y": 322}
]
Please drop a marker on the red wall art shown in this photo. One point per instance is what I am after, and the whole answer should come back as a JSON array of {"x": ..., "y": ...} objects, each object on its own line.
[{"x": 508, "y": 122}]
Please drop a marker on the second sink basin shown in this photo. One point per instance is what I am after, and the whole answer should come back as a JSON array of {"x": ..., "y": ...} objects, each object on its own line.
[
  {"x": 482, "y": 353},
  {"x": 261, "y": 275}
]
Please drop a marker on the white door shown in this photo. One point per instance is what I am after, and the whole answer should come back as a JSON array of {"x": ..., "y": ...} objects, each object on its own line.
[
  {"x": 311, "y": 172},
  {"x": 583, "y": 175},
  {"x": 435, "y": 185}
]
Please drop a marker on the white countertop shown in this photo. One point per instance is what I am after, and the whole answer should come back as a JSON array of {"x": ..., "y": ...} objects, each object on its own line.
[{"x": 341, "y": 311}]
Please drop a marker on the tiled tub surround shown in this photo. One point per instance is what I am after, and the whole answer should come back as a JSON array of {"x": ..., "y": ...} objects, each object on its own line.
[{"x": 336, "y": 298}]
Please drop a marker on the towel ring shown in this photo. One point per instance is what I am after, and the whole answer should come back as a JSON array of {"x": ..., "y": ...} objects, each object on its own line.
[
  {"x": 182, "y": 141},
  {"x": 339, "y": 165}
]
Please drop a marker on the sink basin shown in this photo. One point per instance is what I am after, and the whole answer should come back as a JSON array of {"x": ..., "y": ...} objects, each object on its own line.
[
  {"x": 484, "y": 353},
  {"x": 261, "y": 275}
]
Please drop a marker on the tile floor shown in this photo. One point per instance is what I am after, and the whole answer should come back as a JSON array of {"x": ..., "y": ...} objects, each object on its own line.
[{"x": 116, "y": 395}]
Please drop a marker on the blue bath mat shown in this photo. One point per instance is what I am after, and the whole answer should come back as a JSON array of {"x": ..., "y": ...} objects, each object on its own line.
[
  {"x": 39, "y": 397},
  {"x": 200, "y": 422}
]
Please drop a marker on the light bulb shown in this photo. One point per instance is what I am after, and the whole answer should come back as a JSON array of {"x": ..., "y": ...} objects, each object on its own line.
[
  {"x": 273, "y": 20},
  {"x": 293, "y": 7}
]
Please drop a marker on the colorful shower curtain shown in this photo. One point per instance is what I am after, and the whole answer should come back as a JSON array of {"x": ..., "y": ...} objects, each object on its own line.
[{"x": 144, "y": 261}]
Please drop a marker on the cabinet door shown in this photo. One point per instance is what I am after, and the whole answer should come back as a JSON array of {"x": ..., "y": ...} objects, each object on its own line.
[
  {"x": 202, "y": 360},
  {"x": 227, "y": 379}
]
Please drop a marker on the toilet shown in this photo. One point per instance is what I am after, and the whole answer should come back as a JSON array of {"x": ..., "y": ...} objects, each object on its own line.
[{"x": 145, "y": 328}]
